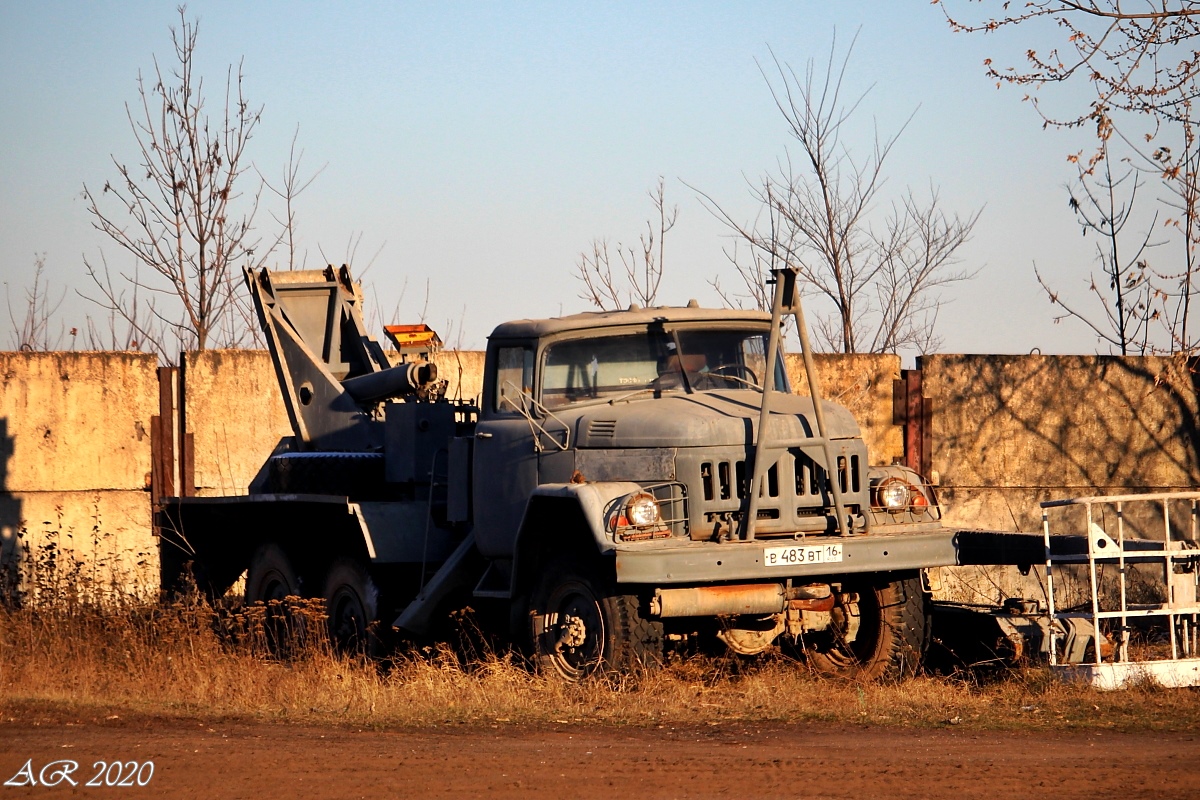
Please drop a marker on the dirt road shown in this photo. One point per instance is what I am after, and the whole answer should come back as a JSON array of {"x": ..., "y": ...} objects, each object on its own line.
[{"x": 258, "y": 760}]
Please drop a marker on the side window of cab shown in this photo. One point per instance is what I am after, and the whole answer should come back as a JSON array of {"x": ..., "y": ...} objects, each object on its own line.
[{"x": 514, "y": 378}]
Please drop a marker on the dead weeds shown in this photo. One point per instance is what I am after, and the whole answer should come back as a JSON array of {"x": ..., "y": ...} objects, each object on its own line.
[{"x": 187, "y": 659}]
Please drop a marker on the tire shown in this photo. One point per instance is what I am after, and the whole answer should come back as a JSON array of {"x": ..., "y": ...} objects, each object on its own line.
[
  {"x": 581, "y": 625},
  {"x": 352, "y": 606},
  {"x": 271, "y": 576},
  {"x": 270, "y": 580},
  {"x": 882, "y": 636}
]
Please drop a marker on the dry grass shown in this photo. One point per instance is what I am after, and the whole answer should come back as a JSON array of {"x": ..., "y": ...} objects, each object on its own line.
[{"x": 185, "y": 659}]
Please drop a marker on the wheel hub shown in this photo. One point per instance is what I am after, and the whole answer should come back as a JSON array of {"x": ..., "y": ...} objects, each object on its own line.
[
  {"x": 573, "y": 632},
  {"x": 851, "y": 619}
]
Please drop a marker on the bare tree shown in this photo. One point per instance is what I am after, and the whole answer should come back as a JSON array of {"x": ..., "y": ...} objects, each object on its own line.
[
  {"x": 1141, "y": 57},
  {"x": 350, "y": 255},
  {"x": 1131, "y": 305},
  {"x": 34, "y": 330},
  {"x": 753, "y": 266},
  {"x": 820, "y": 216},
  {"x": 1142, "y": 61},
  {"x": 177, "y": 211},
  {"x": 641, "y": 265},
  {"x": 128, "y": 323}
]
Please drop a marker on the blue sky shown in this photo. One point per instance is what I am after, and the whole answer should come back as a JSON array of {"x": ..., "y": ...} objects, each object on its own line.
[{"x": 483, "y": 146}]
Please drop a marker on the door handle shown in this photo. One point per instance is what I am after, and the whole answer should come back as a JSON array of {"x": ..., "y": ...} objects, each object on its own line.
[{"x": 483, "y": 435}]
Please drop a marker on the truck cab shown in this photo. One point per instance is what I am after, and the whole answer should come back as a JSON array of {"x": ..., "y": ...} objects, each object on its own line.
[{"x": 613, "y": 396}]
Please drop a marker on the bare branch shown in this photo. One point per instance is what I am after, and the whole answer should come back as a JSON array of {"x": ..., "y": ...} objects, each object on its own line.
[
  {"x": 1104, "y": 206},
  {"x": 1143, "y": 61},
  {"x": 643, "y": 265},
  {"x": 291, "y": 187},
  {"x": 32, "y": 332}
]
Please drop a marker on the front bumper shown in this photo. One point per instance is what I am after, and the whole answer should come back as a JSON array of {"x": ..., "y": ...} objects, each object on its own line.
[{"x": 685, "y": 562}]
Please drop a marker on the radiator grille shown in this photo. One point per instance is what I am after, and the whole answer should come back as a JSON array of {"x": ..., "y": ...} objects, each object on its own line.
[{"x": 795, "y": 494}]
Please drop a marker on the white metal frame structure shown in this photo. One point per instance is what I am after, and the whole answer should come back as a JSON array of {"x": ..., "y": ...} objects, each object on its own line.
[{"x": 1179, "y": 559}]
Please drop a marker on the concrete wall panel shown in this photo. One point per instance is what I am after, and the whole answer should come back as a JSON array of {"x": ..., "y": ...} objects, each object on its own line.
[
  {"x": 1011, "y": 431},
  {"x": 464, "y": 370},
  {"x": 863, "y": 384},
  {"x": 75, "y": 421},
  {"x": 85, "y": 544},
  {"x": 235, "y": 414}
]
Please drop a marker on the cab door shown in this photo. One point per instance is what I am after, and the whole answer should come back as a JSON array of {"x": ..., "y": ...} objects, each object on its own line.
[{"x": 505, "y": 470}]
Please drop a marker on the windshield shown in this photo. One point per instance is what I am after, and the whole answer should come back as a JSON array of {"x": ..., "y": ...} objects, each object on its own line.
[{"x": 607, "y": 367}]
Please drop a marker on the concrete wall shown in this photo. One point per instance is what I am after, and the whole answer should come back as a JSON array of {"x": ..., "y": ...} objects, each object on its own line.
[
  {"x": 74, "y": 469},
  {"x": 236, "y": 416},
  {"x": 464, "y": 371},
  {"x": 1011, "y": 431},
  {"x": 863, "y": 384},
  {"x": 1008, "y": 432}
]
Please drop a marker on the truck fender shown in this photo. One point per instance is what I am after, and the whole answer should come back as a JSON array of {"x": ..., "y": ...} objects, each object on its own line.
[{"x": 562, "y": 519}]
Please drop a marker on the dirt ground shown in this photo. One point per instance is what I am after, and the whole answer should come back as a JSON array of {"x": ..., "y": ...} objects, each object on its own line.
[{"x": 259, "y": 760}]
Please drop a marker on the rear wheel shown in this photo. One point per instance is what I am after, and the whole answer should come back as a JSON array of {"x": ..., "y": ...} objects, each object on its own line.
[
  {"x": 877, "y": 631},
  {"x": 270, "y": 580},
  {"x": 352, "y": 605},
  {"x": 581, "y": 625},
  {"x": 271, "y": 575}
]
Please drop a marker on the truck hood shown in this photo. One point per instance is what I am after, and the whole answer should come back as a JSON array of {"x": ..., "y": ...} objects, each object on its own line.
[{"x": 714, "y": 418}]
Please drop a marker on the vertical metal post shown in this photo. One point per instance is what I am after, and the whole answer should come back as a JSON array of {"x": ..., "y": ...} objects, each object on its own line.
[
  {"x": 764, "y": 415},
  {"x": 1195, "y": 644},
  {"x": 1095, "y": 588},
  {"x": 166, "y": 432},
  {"x": 914, "y": 423},
  {"x": 785, "y": 297},
  {"x": 1166, "y": 510},
  {"x": 1049, "y": 588},
  {"x": 814, "y": 389},
  {"x": 187, "y": 462},
  {"x": 1124, "y": 655}
]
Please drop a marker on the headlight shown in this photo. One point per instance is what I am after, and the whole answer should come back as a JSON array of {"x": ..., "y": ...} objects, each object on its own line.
[
  {"x": 894, "y": 495},
  {"x": 642, "y": 510}
]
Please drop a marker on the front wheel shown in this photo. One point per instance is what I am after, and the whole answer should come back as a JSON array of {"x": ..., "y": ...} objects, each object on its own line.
[
  {"x": 878, "y": 630},
  {"x": 581, "y": 625}
]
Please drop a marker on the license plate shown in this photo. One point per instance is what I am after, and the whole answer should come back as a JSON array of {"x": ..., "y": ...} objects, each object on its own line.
[{"x": 800, "y": 554}]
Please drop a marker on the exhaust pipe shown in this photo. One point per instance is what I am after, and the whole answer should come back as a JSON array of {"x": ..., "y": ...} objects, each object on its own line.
[{"x": 755, "y": 599}]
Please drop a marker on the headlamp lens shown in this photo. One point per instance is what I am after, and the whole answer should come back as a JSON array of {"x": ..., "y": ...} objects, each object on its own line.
[
  {"x": 893, "y": 495},
  {"x": 642, "y": 510}
]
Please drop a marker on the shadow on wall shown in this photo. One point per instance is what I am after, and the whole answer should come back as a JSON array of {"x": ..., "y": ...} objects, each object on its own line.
[
  {"x": 10, "y": 522},
  {"x": 1067, "y": 426}
]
